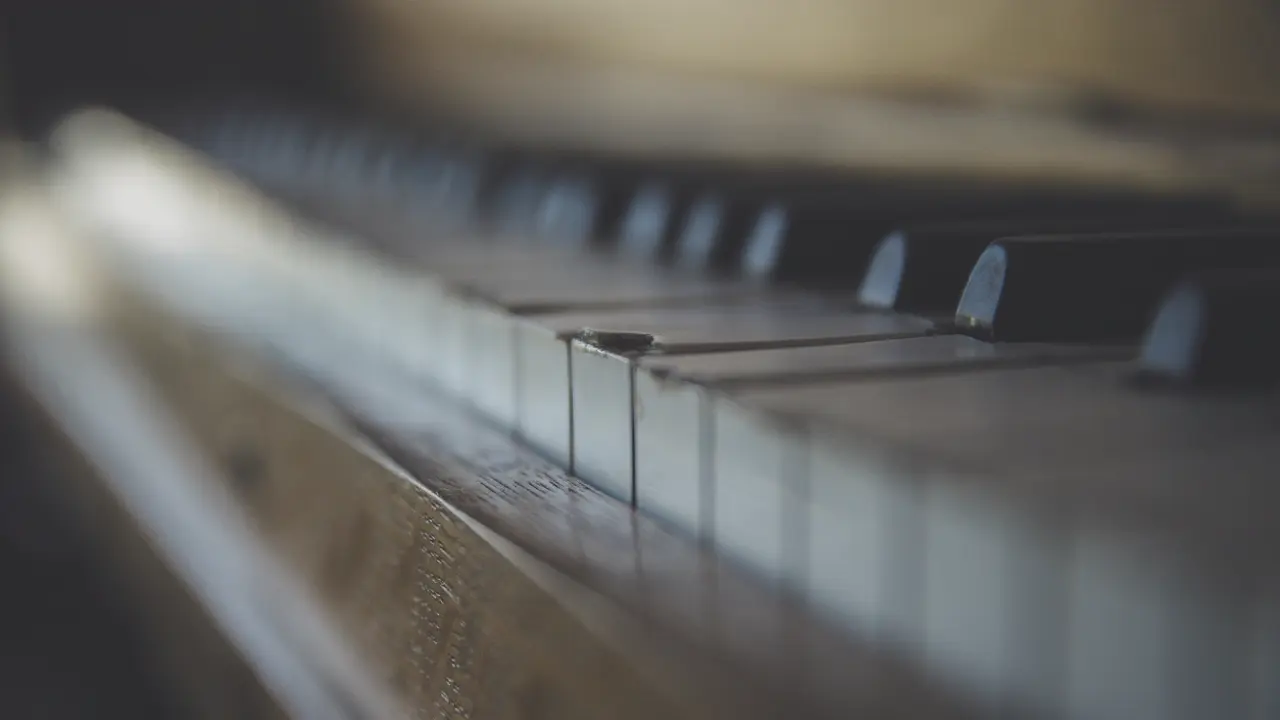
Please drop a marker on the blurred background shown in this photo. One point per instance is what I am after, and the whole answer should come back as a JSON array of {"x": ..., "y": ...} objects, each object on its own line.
[
  {"x": 142, "y": 55},
  {"x": 1175, "y": 99},
  {"x": 71, "y": 645}
]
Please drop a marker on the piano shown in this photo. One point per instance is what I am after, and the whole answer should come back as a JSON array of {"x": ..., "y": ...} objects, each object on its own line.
[{"x": 849, "y": 359}]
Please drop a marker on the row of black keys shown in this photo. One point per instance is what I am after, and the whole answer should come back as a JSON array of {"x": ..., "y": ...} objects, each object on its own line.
[{"x": 1014, "y": 264}]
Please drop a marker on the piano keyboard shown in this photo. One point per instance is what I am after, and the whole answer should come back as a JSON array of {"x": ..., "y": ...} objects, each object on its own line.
[{"x": 1020, "y": 435}]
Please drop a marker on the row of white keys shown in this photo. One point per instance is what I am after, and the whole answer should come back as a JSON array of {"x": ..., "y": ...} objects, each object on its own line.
[
  {"x": 668, "y": 454},
  {"x": 1037, "y": 535},
  {"x": 601, "y": 370}
]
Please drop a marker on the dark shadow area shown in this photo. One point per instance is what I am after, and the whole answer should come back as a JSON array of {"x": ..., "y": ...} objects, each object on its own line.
[
  {"x": 69, "y": 649},
  {"x": 137, "y": 55}
]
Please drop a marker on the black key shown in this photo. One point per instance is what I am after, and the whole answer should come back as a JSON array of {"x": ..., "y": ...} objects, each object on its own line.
[
  {"x": 825, "y": 240},
  {"x": 1093, "y": 288},
  {"x": 566, "y": 211},
  {"x": 808, "y": 242},
  {"x": 514, "y": 208},
  {"x": 1217, "y": 329},
  {"x": 273, "y": 148},
  {"x": 582, "y": 208},
  {"x": 805, "y": 236},
  {"x": 440, "y": 185},
  {"x": 327, "y": 145},
  {"x": 714, "y": 232},
  {"x": 617, "y": 190},
  {"x": 744, "y": 210},
  {"x": 363, "y": 163},
  {"x": 921, "y": 271},
  {"x": 828, "y": 238},
  {"x": 830, "y": 242},
  {"x": 670, "y": 216},
  {"x": 924, "y": 269},
  {"x": 652, "y": 222}
]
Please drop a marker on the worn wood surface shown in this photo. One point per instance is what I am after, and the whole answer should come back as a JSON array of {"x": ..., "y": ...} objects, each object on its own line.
[{"x": 457, "y": 626}]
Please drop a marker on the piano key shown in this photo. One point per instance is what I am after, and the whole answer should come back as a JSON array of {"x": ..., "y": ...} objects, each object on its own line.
[
  {"x": 347, "y": 162},
  {"x": 324, "y": 142},
  {"x": 651, "y": 223},
  {"x": 488, "y": 266},
  {"x": 714, "y": 233},
  {"x": 584, "y": 206},
  {"x": 584, "y": 202},
  {"x": 518, "y": 270},
  {"x": 490, "y": 282},
  {"x": 1216, "y": 329},
  {"x": 668, "y": 387},
  {"x": 1145, "y": 641},
  {"x": 290, "y": 158},
  {"x": 476, "y": 336},
  {"x": 238, "y": 132},
  {"x": 462, "y": 369},
  {"x": 923, "y": 269},
  {"x": 537, "y": 278},
  {"x": 814, "y": 242},
  {"x": 867, "y": 557},
  {"x": 765, "y": 230},
  {"x": 616, "y": 188},
  {"x": 1026, "y": 488},
  {"x": 1092, "y": 288},
  {"x": 278, "y": 149},
  {"x": 447, "y": 189},
  {"x": 551, "y": 372},
  {"x": 498, "y": 286},
  {"x": 483, "y": 340},
  {"x": 468, "y": 326},
  {"x": 516, "y": 201},
  {"x": 566, "y": 211},
  {"x": 700, "y": 242},
  {"x": 675, "y": 217},
  {"x": 826, "y": 240}
]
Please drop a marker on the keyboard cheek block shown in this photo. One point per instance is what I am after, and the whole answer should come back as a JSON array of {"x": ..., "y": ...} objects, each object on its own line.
[{"x": 1025, "y": 444}]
